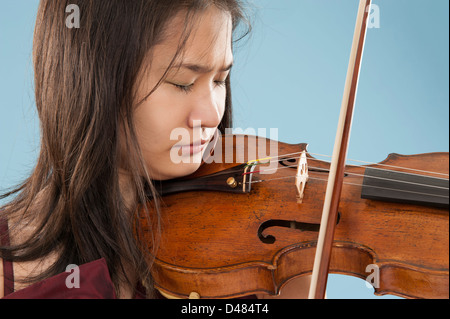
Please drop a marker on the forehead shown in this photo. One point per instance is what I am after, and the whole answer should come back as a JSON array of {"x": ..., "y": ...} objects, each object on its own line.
[{"x": 207, "y": 40}]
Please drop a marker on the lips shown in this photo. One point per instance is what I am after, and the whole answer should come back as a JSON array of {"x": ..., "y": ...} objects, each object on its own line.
[
  {"x": 193, "y": 148},
  {"x": 197, "y": 147}
]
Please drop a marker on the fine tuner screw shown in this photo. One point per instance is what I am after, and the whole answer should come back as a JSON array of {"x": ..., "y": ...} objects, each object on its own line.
[{"x": 232, "y": 182}]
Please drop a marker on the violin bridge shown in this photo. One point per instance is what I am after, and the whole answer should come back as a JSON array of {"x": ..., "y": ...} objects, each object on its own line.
[{"x": 302, "y": 176}]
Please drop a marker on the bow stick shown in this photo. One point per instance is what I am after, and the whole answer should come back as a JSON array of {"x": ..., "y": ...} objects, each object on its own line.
[{"x": 336, "y": 175}]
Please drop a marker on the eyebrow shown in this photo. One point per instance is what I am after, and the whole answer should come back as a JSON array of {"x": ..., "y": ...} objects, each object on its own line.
[{"x": 198, "y": 68}]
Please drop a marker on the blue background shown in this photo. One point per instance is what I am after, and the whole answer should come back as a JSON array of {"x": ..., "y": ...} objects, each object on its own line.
[{"x": 289, "y": 74}]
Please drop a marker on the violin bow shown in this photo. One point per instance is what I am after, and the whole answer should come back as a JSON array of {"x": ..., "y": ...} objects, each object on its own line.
[{"x": 336, "y": 175}]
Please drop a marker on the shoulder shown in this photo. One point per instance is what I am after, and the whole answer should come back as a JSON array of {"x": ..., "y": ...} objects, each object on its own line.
[
  {"x": 12, "y": 272},
  {"x": 87, "y": 281}
]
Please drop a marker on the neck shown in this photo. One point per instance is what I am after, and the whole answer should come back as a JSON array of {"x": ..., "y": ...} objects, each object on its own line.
[{"x": 386, "y": 185}]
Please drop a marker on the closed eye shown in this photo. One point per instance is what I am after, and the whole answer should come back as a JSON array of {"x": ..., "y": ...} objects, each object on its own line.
[
  {"x": 220, "y": 83},
  {"x": 183, "y": 88}
]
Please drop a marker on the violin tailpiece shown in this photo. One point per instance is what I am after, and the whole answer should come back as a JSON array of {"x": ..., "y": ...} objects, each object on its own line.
[{"x": 231, "y": 180}]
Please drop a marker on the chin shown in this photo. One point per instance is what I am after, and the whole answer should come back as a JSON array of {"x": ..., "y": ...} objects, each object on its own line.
[
  {"x": 177, "y": 171},
  {"x": 187, "y": 169}
]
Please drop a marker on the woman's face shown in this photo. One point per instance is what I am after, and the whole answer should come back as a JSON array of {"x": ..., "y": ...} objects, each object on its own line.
[{"x": 176, "y": 122}]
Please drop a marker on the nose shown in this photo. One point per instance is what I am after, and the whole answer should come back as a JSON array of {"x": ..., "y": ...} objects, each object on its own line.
[{"x": 207, "y": 107}]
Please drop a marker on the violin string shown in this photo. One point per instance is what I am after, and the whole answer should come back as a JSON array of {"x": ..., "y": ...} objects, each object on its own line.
[
  {"x": 375, "y": 168},
  {"x": 399, "y": 190},
  {"x": 386, "y": 165},
  {"x": 348, "y": 183},
  {"x": 356, "y": 174},
  {"x": 286, "y": 157}
]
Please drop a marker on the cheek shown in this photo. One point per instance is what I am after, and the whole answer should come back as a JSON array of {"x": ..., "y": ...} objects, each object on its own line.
[
  {"x": 154, "y": 120},
  {"x": 220, "y": 97},
  {"x": 149, "y": 126}
]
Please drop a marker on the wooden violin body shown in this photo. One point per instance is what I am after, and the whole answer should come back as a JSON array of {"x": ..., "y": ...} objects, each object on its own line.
[{"x": 225, "y": 242}]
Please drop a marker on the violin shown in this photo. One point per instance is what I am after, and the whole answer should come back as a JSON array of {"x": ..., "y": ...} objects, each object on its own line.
[
  {"x": 250, "y": 224},
  {"x": 231, "y": 229}
]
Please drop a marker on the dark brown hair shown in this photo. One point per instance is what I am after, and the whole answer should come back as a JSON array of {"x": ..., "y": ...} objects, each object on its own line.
[{"x": 84, "y": 80}]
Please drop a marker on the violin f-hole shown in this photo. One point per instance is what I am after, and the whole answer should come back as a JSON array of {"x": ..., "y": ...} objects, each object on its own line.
[{"x": 292, "y": 224}]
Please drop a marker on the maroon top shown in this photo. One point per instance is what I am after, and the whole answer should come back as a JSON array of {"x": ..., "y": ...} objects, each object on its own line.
[{"x": 94, "y": 280}]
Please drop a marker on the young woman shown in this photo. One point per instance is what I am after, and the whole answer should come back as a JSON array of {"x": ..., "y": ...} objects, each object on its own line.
[{"x": 108, "y": 95}]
